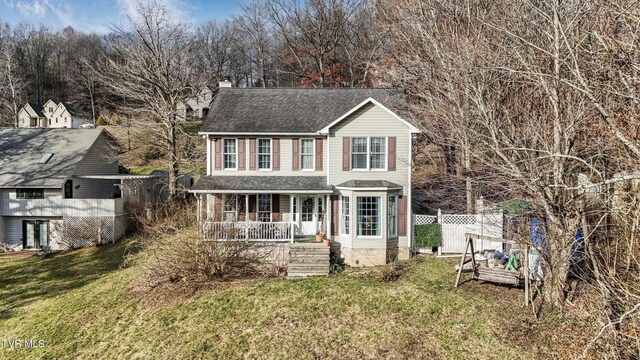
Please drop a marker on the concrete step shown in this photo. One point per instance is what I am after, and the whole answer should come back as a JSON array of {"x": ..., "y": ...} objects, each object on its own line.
[
  {"x": 308, "y": 246},
  {"x": 313, "y": 258},
  {"x": 293, "y": 252},
  {"x": 291, "y": 270},
  {"x": 300, "y": 276}
]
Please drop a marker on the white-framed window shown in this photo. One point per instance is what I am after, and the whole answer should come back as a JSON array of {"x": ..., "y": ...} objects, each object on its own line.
[
  {"x": 264, "y": 207},
  {"x": 368, "y": 216},
  {"x": 392, "y": 216},
  {"x": 359, "y": 153},
  {"x": 307, "y": 152},
  {"x": 230, "y": 208},
  {"x": 344, "y": 215},
  {"x": 264, "y": 154},
  {"x": 229, "y": 154},
  {"x": 368, "y": 153}
]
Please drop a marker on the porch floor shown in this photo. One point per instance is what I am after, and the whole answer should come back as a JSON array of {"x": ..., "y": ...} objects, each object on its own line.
[{"x": 16, "y": 255}]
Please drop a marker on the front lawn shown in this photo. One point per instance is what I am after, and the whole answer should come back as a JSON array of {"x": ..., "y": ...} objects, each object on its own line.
[{"x": 78, "y": 304}]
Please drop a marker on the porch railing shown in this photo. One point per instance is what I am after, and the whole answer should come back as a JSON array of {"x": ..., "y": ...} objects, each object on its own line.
[{"x": 248, "y": 231}]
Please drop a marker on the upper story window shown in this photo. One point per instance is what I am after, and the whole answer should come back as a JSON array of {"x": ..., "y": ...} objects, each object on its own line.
[
  {"x": 229, "y": 154},
  {"x": 264, "y": 154},
  {"x": 30, "y": 193},
  {"x": 50, "y": 109},
  {"x": 306, "y": 154},
  {"x": 368, "y": 153}
]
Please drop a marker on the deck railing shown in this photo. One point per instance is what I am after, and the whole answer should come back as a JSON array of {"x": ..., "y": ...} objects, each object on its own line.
[{"x": 248, "y": 231}]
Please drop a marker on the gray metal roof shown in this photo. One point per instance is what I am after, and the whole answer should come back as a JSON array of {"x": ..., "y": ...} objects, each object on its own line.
[
  {"x": 368, "y": 184},
  {"x": 278, "y": 110},
  {"x": 262, "y": 184},
  {"x": 21, "y": 149}
]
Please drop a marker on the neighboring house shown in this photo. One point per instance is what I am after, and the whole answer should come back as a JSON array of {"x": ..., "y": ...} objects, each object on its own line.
[
  {"x": 51, "y": 114},
  {"x": 283, "y": 164},
  {"x": 61, "y": 188},
  {"x": 196, "y": 107},
  {"x": 32, "y": 116}
]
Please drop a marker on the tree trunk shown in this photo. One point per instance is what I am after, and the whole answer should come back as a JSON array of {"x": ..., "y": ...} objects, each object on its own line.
[{"x": 173, "y": 160}]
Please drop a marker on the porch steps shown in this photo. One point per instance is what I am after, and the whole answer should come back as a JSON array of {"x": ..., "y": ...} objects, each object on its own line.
[{"x": 307, "y": 259}]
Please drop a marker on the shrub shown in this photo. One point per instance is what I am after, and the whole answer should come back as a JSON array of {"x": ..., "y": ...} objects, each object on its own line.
[
  {"x": 391, "y": 272},
  {"x": 428, "y": 236}
]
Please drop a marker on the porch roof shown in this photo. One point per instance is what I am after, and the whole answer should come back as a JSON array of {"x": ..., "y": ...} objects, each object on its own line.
[
  {"x": 369, "y": 184},
  {"x": 262, "y": 184}
]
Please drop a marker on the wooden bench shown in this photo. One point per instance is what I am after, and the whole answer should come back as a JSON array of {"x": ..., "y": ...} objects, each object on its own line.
[{"x": 499, "y": 276}]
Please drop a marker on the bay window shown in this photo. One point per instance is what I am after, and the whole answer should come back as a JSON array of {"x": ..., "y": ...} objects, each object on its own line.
[
  {"x": 392, "y": 216},
  {"x": 368, "y": 216}
]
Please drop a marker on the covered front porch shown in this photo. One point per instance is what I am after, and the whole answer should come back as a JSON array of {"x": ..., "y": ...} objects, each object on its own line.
[
  {"x": 279, "y": 209},
  {"x": 263, "y": 217}
]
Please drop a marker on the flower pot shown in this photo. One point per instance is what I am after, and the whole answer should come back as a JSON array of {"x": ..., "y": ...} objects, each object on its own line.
[
  {"x": 319, "y": 237},
  {"x": 327, "y": 242}
]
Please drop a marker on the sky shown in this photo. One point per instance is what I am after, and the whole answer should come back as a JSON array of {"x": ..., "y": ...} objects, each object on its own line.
[{"x": 99, "y": 15}]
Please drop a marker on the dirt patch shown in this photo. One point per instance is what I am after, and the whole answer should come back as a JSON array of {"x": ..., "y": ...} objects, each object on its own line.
[{"x": 17, "y": 255}]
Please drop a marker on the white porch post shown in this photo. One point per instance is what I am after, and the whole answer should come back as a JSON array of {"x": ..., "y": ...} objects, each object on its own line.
[
  {"x": 328, "y": 207},
  {"x": 293, "y": 215},
  {"x": 246, "y": 216}
]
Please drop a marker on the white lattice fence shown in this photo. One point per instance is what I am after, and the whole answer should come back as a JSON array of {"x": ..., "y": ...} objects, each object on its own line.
[
  {"x": 425, "y": 219},
  {"x": 92, "y": 230},
  {"x": 454, "y": 226}
]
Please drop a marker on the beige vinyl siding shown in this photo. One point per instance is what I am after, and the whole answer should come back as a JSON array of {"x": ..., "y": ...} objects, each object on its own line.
[
  {"x": 98, "y": 161},
  {"x": 370, "y": 120},
  {"x": 285, "y": 207},
  {"x": 286, "y": 159}
]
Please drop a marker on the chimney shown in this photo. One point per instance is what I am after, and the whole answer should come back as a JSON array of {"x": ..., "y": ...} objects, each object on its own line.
[{"x": 224, "y": 84}]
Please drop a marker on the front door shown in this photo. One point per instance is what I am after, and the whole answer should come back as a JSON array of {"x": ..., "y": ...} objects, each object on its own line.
[
  {"x": 35, "y": 234},
  {"x": 308, "y": 214}
]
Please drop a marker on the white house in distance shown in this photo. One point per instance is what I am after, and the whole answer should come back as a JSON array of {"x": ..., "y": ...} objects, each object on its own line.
[
  {"x": 286, "y": 164},
  {"x": 60, "y": 188},
  {"x": 197, "y": 107},
  {"x": 51, "y": 114}
]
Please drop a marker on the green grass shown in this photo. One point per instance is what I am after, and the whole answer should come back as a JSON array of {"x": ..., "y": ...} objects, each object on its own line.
[{"x": 77, "y": 303}]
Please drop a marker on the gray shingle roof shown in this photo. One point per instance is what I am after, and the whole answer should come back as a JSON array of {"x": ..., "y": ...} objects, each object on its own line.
[
  {"x": 21, "y": 149},
  {"x": 274, "y": 184},
  {"x": 367, "y": 184},
  {"x": 277, "y": 110},
  {"x": 37, "y": 108}
]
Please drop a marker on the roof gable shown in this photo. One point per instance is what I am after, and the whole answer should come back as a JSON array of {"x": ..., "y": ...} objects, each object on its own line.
[
  {"x": 286, "y": 111},
  {"x": 21, "y": 149},
  {"x": 412, "y": 128}
]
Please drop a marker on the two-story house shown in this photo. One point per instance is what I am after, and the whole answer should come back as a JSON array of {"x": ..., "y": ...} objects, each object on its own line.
[
  {"x": 51, "y": 114},
  {"x": 197, "y": 107},
  {"x": 284, "y": 164},
  {"x": 61, "y": 188}
]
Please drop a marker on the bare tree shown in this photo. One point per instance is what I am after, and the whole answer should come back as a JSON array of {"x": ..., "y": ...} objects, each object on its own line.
[
  {"x": 154, "y": 68},
  {"x": 12, "y": 84}
]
